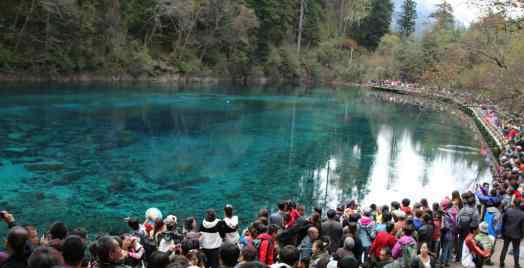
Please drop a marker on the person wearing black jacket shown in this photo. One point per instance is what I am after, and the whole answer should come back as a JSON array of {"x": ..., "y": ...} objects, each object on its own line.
[
  {"x": 512, "y": 224},
  {"x": 332, "y": 229},
  {"x": 425, "y": 232}
]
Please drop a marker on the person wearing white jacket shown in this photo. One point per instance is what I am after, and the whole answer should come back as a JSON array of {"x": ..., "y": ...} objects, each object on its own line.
[
  {"x": 230, "y": 226},
  {"x": 210, "y": 239}
]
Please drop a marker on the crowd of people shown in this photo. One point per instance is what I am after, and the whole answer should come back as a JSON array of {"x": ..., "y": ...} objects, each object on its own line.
[{"x": 461, "y": 228}]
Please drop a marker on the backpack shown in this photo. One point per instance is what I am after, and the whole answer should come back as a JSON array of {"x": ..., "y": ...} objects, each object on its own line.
[
  {"x": 409, "y": 252},
  {"x": 465, "y": 219},
  {"x": 257, "y": 243}
]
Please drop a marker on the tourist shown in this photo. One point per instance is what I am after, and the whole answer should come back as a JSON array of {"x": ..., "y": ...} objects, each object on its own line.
[
  {"x": 57, "y": 234},
  {"x": 210, "y": 240},
  {"x": 267, "y": 247},
  {"x": 400, "y": 222},
  {"x": 473, "y": 255},
  {"x": 17, "y": 249},
  {"x": 133, "y": 251},
  {"x": 294, "y": 213},
  {"x": 385, "y": 260},
  {"x": 332, "y": 229},
  {"x": 190, "y": 230},
  {"x": 288, "y": 257},
  {"x": 425, "y": 232},
  {"x": 383, "y": 239},
  {"x": 406, "y": 247},
  {"x": 485, "y": 240},
  {"x": 230, "y": 227},
  {"x": 366, "y": 231},
  {"x": 467, "y": 218},
  {"x": 159, "y": 259},
  {"x": 108, "y": 253},
  {"x": 512, "y": 232},
  {"x": 320, "y": 257},
  {"x": 229, "y": 254},
  {"x": 358, "y": 249},
  {"x": 278, "y": 217},
  {"x": 385, "y": 219},
  {"x": 306, "y": 245},
  {"x": 45, "y": 257},
  {"x": 437, "y": 232},
  {"x": 347, "y": 262},
  {"x": 347, "y": 249},
  {"x": 73, "y": 251},
  {"x": 169, "y": 238},
  {"x": 247, "y": 254},
  {"x": 405, "y": 206},
  {"x": 424, "y": 259},
  {"x": 449, "y": 231}
]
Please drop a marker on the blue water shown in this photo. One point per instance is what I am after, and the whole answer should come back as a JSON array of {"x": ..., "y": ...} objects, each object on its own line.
[{"x": 92, "y": 155}]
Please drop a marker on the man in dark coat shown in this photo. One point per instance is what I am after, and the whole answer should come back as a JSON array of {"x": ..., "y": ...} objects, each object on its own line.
[
  {"x": 512, "y": 224},
  {"x": 334, "y": 230}
]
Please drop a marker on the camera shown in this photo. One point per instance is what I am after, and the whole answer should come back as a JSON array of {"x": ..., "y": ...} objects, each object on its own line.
[
  {"x": 172, "y": 236},
  {"x": 2, "y": 214}
]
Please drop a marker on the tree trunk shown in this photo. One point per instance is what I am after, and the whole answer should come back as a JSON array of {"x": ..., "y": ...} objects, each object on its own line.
[{"x": 300, "y": 27}]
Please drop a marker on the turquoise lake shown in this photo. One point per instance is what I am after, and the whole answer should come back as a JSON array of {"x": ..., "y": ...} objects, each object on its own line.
[{"x": 92, "y": 155}]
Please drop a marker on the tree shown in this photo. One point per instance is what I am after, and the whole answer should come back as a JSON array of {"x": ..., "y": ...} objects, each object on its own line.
[
  {"x": 370, "y": 30},
  {"x": 443, "y": 16},
  {"x": 408, "y": 18}
]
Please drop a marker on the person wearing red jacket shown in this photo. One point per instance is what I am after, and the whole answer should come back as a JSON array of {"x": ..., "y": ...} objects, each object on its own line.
[
  {"x": 266, "y": 248},
  {"x": 294, "y": 213},
  {"x": 472, "y": 254},
  {"x": 383, "y": 239}
]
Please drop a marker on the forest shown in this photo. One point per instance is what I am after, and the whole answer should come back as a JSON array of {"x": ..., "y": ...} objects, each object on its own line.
[{"x": 281, "y": 40}]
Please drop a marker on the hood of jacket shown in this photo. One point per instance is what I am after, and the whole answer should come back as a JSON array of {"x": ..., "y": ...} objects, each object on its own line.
[
  {"x": 210, "y": 224},
  {"x": 406, "y": 240},
  {"x": 231, "y": 222}
]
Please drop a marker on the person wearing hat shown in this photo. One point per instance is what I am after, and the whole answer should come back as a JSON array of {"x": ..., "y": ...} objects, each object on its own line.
[
  {"x": 486, "y": 240},
  {"x": 473, "y": 256}
]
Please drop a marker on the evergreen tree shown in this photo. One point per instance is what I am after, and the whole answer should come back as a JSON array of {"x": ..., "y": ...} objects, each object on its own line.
[
  {"x": 408, "y": 18},
  {"x": 444, "y": 19},
  {"x": 370, "y": 30}
]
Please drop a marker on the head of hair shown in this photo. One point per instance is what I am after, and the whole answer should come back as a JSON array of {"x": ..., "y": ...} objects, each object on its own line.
[
  {"x": 211, "y": 215},
  {"x": 105, "y": 246},
  {"x": 406, "y": 202},
  {"x": 73, "y": 250},
  {"x": 263, "y": 212},
  {"x": 291, "y": 204},
  {"x": 17, "y": 238},
  {"x": 409, "y": 229},
  {"x": 349, "y": 243},
  {"x": 80, "y": 232},
  {"x": 322, "y": 244},
  {"x": 229, "y": 254},
  {"x": 424, "y": 202},
  {"x": 419, "y": 213},
  {"x": 395, "y": 205},
  {"x": 179, "y": 262},
  {"x": 331, "y": 214},
  {"x": 347, "y": 262},
  {"x": 58, "y": 230},
  {"x": 45, "y": 257},
  {"x": 249, "y": 254},
  {"x": 389, "y": 227},
  {"x": 189, "y": 244},
  {"x": 188, "y": 223},
  {"x": 386, "y": 217},
  {"x": 228, "y": 211},
  {"x": 282, "y": 205},
  {"x": 272, "y": 229},
  {"x": 133, "y": 224},
  {"x": 289, "y": 255},
  {"x": 387, "y": 250},
  {"x": 158, "y": 259},
  {"x": 427, "y": 218},
  {"x": 252, "y": 264}
]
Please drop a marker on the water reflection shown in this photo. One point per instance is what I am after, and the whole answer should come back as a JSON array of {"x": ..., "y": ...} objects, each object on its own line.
[{"x": 105, "y": 154}]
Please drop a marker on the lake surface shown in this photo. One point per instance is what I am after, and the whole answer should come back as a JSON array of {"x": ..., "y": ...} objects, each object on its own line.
[{"x": 92, "y": 155}]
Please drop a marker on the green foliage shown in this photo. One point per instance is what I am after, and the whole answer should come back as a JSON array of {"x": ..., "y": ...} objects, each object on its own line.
[
  {"x": 370, "y": 30},
  {"x": 408, "y": 18}
]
